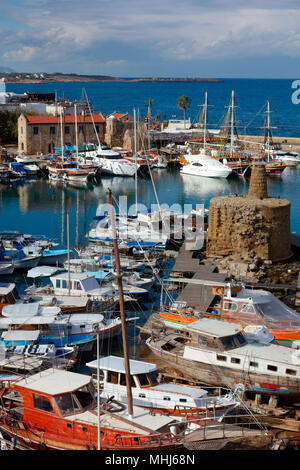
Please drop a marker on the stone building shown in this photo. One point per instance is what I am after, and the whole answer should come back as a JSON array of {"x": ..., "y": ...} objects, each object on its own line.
[
  {"x": 250, "y": 226},
  {"x": 118, "y": 126},
  {"x": 42, "y": 133}
]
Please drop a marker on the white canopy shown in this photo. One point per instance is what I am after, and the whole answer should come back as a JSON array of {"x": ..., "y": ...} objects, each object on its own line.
[
  {"x": 21, "y": 335},
  {"x": 117, "y": 364},
  {"x": 43, "y": 271}
]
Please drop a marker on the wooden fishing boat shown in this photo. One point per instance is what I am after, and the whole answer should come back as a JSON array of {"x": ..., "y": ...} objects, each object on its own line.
[
  {"x": 218, "y": 353},
  {"x": 181, "y": 401},
  {"x": 57, "y": 410},
  {"x": 235, "y": 303}
]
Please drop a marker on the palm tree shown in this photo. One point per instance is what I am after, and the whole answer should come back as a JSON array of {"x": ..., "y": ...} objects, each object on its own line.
[{"x": 183, "y": 102}]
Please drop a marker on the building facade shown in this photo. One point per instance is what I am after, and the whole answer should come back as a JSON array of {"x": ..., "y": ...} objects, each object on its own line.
[{"x": 42, "y": 133}]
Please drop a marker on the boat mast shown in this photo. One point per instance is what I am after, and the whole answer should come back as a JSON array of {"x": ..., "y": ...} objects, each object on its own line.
[
  {"x": 268, "y": 129},
  {"x": 61, "y": 137},
  {"x": 232, "y": 124},
  {"x": 76, "y": 132},
  {"x": 135, "y": 154},
  {"x": 68, "y": 237},
  {"x": 121, "y": 302},
  {"x": 205, "y": 121}
]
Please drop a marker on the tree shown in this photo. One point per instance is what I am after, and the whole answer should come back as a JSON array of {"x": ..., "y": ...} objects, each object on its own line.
[{"x": 183, "y": 103}]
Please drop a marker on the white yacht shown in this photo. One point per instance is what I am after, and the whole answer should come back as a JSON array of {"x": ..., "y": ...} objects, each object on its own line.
[
  {"x": 111, "y": 162},
  {"x": 30, "y": 167},
  {"x": 289, "y": 157},
  {"x": 204, "y": 165}
]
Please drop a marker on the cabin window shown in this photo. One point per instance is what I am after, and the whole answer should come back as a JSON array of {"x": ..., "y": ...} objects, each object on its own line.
[
  {"x": 253, "y": 364},
  {"x": 112, "y": 377},
  {"x": 248, "y": 309},
  {"x": 230, "y": 306},
  {"x": 143, "y": 379},
  {"x": 84, "y": 396},
  {"x": 42, "y": 403},
  {"x": 272, "y": 368},
  {"x": 64, "y": 284},
  {"x": 167, "y": 398},
  {"x": 235, "y": 360},
  {"x": 66, "y": 403},
  {"x": 221, "y": 358},
  {"x": 122, "y": 379},
  {"x": 290, "y": 372},
  {"x": 202, "y": 340},
  {"x": 57, "y": 283},
  {"x": 228, "y": 342},
  {"x": 153, "y": 378},
  {"x": 183, "y": 400},
  {"x": 78, "y": 286},
  {"x": 142, "y": 395},
  {"x": 240, "y": 339}
]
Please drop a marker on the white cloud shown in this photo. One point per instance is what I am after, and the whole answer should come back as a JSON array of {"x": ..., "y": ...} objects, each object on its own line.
[
  {"x": 24, "y": 54},
  {"x": 189, "y": 30}
]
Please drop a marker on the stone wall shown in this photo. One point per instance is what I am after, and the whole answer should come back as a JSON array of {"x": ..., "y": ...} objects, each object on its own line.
[{"x": 247, "y": 227}]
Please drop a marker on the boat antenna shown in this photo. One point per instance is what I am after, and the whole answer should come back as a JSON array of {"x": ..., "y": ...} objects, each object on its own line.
[{"x": 121, "y": 301}]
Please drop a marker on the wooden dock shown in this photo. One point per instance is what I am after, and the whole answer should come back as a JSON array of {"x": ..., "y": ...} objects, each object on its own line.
[{"x": 197, "y": 294}]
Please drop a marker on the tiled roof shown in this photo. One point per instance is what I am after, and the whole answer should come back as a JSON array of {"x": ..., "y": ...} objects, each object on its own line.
[
  {"x": 67, "y": 119},
  {"x": 119, "y": 115}
]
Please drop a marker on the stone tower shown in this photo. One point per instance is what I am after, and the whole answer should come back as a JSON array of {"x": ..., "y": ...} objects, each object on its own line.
[
  {"x": 249, "y": 226},
  {"x": 258, "y": 182}
]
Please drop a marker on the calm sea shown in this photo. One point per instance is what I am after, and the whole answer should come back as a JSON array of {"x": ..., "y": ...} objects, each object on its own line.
[
  {"x": 39, "y": 208},
  {"x": 251, "y": 97}
]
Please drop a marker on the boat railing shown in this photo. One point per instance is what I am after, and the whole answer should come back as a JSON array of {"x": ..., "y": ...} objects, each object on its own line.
[{"x": 155, "y": 441}]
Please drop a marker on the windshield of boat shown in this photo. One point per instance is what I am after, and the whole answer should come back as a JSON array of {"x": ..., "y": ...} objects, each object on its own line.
[{"x": 79, "y": 400}]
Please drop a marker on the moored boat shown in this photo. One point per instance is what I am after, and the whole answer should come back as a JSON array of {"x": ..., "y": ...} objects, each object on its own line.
[
  {"x": 218, "y": 353},
  {"x": 57, "y": 410},
  {"x": 165, "y": 398}
]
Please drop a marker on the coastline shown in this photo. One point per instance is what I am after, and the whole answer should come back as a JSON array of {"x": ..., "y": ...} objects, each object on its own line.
[{"x": 67, "y": 78}]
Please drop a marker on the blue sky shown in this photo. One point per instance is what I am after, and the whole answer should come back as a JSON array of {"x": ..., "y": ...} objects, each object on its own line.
[{"x": 176, "y": 38}]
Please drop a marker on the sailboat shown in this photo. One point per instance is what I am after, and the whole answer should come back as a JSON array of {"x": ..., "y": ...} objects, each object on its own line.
[
  {"x": 273, "y": 167},
  {"x": 67, "y": 170},
  {"x": 202, "y": 164}
]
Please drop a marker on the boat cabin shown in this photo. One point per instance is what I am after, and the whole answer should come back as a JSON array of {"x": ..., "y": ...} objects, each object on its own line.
[
  {"x": 42, "y": 400},
  {"x": 8, "y": 294},
  {"x": 81, "y": 284},
  {"x": 256, "y": 307},
  {"x": 112, "y": 371}
]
